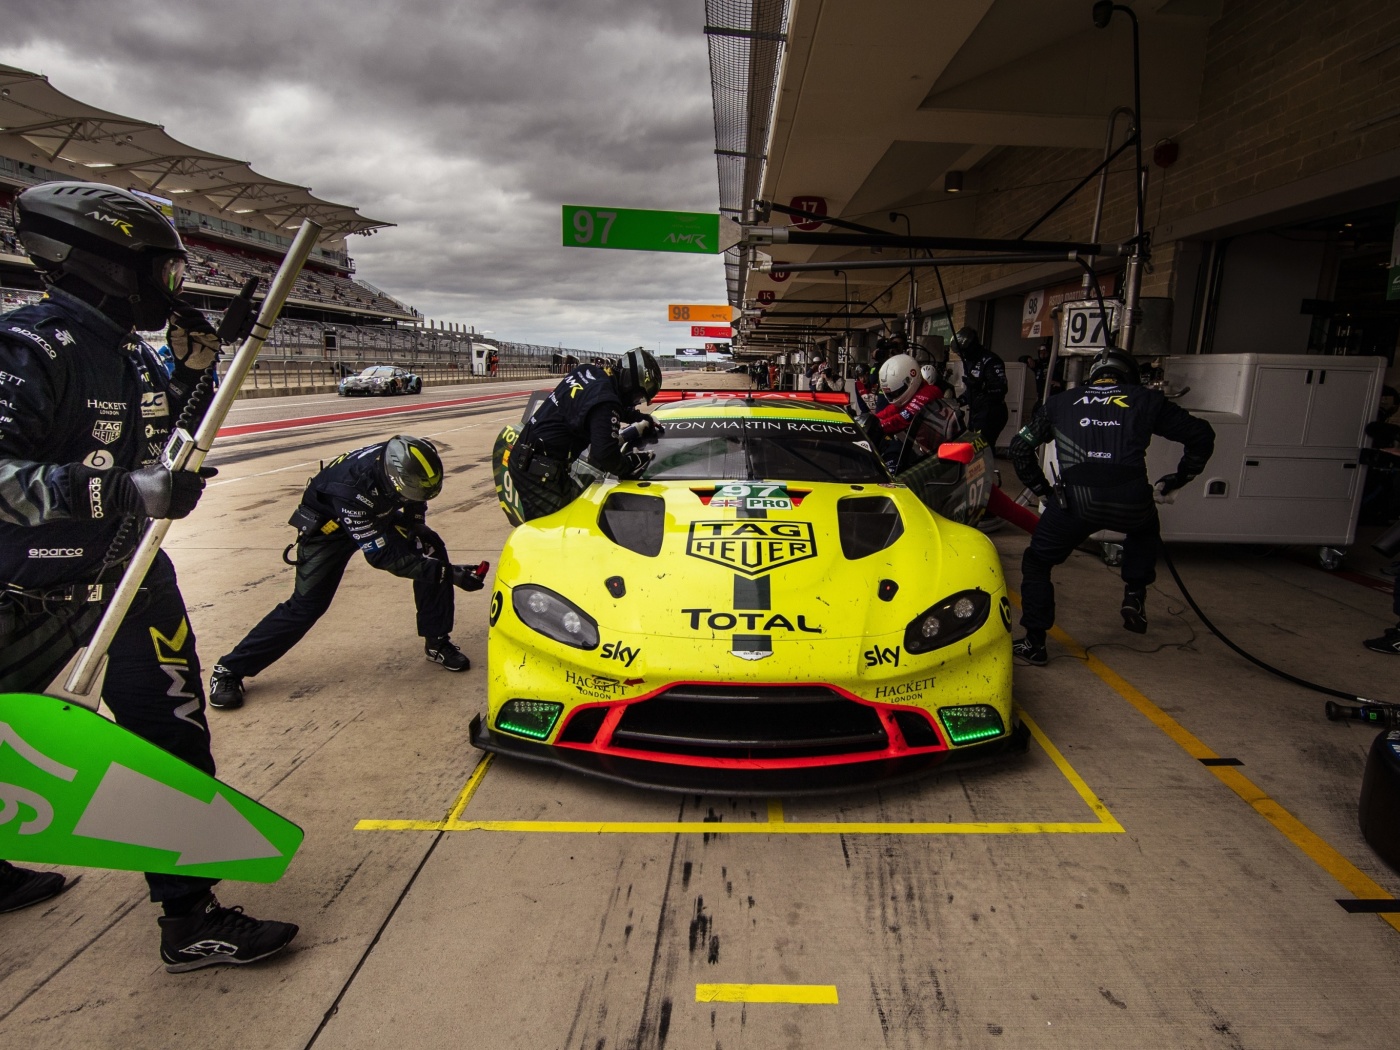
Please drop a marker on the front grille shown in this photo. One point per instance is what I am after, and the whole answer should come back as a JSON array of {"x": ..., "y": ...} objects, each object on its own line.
[{"x": 750, "y": 722}]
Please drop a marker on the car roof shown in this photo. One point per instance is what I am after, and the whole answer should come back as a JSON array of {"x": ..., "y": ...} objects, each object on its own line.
[{"x": 749, "y": 407}]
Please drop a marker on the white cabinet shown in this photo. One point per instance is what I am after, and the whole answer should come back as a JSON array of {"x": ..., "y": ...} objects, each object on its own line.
[{"x": 1287, "y": 431}]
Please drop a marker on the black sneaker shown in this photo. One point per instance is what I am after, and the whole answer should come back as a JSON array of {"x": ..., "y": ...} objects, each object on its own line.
[
  {"x": 1032, "y": 652},
  {"x": 442, "y": 651},
  {"x": 225, "y": 688},
  {"x": 213, "y": 935},
  {"x": 22, "y": 888},
  {"x": 1135, "y": 611},
  {"x": 1386, "y": 643}
]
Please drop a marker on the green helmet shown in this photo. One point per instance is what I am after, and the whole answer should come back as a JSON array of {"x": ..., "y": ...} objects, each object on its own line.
[{"x": 413, "y": 467}]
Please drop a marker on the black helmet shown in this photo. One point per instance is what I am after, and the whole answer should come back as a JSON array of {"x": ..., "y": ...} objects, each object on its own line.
[
  {"x": 638, "y": 376},
  {"x": 965, "y": 341},
  {"x": 413, "y": 467},
  {"x": 108, "y": 238},
  {"x": 1118, "y": 363}
]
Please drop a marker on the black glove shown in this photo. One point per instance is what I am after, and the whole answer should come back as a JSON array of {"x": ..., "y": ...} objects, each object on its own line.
[
  {"x": 634, "y": 464},
  {"x": 191, "y": 339},
  {"x": 641, "y": 432},
  {"x": 1167, "y": 484},
  {"x": 152, "y": 491},
  {"x": 870, "y": 427},
  {"x": 470, "y": 577}
]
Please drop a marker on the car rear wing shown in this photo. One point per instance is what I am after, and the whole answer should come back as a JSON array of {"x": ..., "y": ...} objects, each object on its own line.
[{"x": 820, "y": 397}]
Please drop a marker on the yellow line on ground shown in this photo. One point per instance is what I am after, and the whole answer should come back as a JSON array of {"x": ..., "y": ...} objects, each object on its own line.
[
  {"x": 1068, "y": 772},
  {"x": 463, "y": 797},
  {"x": 473, "y": 782},
  {"x": 1318, "y": 850},
  {"x": 776, "y": 824},
  {"x": 821, "y": 994}
]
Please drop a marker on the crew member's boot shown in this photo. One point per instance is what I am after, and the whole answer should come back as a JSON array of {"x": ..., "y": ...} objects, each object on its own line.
[
  {"x": 442, "y": 651},
  {"x": 22, "y": 887},
  {"x": 1031, "y": 649},
  {"x": 1135, "y": 609}
]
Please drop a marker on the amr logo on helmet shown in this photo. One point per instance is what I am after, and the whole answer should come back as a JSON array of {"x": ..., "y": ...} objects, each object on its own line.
[{"x": 111, "y": 220}]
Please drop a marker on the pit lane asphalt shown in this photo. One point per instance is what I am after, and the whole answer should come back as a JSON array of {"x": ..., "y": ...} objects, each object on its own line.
[{"x": 1123, "y": 896}]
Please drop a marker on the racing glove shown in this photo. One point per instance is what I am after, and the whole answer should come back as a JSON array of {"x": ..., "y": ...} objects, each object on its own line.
[
  {"x": 191, "y": 339},
  {"x": 1167, "y": 484},
  {"x": 470, "y": 577},
  {"x": 641, "y": 432},
  {"x": 152, "y": 491}
]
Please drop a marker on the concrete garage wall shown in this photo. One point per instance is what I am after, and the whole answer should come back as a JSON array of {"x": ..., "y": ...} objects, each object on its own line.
[
  {"x": 1264, "y": 282},
  {"x": 1300, "y": 103}
]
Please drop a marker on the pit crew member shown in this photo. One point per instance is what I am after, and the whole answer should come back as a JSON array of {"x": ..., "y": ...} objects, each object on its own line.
[
  {"x": 1101, "y": 433},
  {"x": 374, "y": 500},
  {"x": 576, "y": 434},
  {"x": 984, "y": 385},
  {"x": 85, "y": 410}
]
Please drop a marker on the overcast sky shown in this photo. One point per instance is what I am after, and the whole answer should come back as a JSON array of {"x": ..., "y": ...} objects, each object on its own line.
[{"x": 466, "y": 123}]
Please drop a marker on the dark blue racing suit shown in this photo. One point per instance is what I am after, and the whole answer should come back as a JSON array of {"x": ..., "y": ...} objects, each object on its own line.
[
  {"x": 585, "y": 412},
  {"x": 80, "y": 396},
  {"x": 350, "y": 506},
  {"x": 1101, "y": 433}
]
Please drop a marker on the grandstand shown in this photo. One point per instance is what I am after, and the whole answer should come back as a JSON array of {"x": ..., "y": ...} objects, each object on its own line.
[{"x": 237, "y": 223}]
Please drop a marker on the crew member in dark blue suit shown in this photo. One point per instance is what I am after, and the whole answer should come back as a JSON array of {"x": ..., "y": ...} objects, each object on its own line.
[
  {"x": 85, "y": 410},
  {"x": 373, "y": 500}
]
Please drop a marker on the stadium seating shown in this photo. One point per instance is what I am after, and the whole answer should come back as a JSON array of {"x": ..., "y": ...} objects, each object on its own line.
[{"x": 223, "y": 267}]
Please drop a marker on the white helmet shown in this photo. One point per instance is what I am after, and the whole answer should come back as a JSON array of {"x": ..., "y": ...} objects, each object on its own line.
[
  {"x": 930, "y": 373},
  {"x": 900, "y": 378}
]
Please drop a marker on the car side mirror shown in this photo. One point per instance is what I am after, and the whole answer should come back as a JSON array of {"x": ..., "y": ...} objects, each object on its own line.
[{"x": 956, "y": 451}]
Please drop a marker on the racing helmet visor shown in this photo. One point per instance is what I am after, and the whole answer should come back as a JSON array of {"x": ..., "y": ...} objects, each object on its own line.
[{"x": 170, "y": 273}]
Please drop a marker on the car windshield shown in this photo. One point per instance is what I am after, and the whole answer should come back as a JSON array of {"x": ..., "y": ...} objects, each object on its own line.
[
  {"x": 747, "y": 448},
  {"x": 377, "y": 370}
]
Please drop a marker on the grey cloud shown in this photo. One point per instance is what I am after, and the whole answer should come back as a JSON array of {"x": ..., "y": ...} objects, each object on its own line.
[{"x": 467, "y": 124}]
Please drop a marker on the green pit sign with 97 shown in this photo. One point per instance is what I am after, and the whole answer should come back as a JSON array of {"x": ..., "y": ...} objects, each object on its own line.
[
  {"x": 78, "y": 789},
  {"x": 639, "y": 230}
]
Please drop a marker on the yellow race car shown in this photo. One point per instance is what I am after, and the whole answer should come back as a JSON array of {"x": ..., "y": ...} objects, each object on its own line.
[{"x": 764, "y": 611}]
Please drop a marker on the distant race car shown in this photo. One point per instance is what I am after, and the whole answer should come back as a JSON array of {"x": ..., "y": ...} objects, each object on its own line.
[
  {"x": 381, "y": 379},
  {"x": 764, "y": 611}
]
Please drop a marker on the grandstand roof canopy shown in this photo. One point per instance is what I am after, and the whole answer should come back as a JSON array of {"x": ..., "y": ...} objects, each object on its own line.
[{"x": 40, "y": 125}]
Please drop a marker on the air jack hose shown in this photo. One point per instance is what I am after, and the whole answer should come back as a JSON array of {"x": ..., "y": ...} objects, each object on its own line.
[{"x": 1376, "y": 711}]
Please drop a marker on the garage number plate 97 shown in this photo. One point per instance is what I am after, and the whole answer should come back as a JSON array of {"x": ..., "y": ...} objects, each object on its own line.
[{"x": 752, "y": 497}]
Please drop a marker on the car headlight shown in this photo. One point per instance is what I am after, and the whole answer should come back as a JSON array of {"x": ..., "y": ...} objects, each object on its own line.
[
  {"x": 955, "y": 617},
  {"x": 554, "y": 616}
]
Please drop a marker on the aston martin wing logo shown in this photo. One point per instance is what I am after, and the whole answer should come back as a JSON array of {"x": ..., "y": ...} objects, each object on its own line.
[{"x": 752, "y": 547}]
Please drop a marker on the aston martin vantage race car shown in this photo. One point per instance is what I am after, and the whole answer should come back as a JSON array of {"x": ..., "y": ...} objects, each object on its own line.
[{"x": 764, "y": 610}]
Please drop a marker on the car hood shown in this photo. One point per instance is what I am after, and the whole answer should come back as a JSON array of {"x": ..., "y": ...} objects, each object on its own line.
[{"x": 781, "y": 573}]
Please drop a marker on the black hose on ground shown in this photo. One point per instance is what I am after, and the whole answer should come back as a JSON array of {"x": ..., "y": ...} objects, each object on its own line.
[{"x": 1375, "y": 711}]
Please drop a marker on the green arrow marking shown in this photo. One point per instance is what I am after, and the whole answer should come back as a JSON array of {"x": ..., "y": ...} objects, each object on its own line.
[
  {"x": 638, "y": 230},
  {"x": 78, "y": 789}
]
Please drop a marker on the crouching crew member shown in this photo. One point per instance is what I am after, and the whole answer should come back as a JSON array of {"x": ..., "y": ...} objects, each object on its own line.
[
  {"x": 576, "y": 434},
  {"x": 375, "y": 500},
  {"x": 1101, "y": 433},
  {"x": 85, "y": 411}
]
